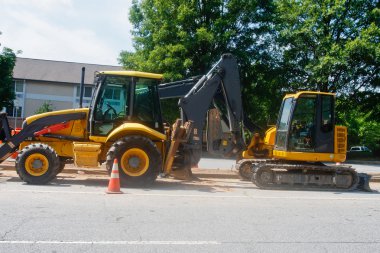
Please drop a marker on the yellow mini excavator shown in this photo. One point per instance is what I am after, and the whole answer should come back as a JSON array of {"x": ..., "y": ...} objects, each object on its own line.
[{"x": 293, "y": 153}]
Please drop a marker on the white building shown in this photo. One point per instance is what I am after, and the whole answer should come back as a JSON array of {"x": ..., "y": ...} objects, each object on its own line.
[{"x": 39, "y": 81}]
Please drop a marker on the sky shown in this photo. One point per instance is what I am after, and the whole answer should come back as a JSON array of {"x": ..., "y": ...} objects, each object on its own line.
[{"x": 85, "y": 31}]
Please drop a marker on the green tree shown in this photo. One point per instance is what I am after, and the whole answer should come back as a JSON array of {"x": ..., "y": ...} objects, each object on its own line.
[
  {"x": 7, "y": 63},
  {"x": 282, "y": 46},
  {"x": 45, "y": 107},
  {"x": 184, "y": 38},
  {"x": 332, "y": 45},
  {"x": 362, "y": 130}
]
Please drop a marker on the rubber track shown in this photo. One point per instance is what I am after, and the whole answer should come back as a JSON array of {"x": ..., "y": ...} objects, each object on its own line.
[{"x": 260, "y": 164}]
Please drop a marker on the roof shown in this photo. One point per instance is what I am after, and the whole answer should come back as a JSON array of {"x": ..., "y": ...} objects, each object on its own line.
[
  {"x": 57, "y": 71},
  {"x": 296, "y": 95},
  {"x": 134, "y": 73}
]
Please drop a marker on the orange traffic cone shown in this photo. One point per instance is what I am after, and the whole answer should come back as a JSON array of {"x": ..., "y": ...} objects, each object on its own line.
[{"x": 114, "y": 183}]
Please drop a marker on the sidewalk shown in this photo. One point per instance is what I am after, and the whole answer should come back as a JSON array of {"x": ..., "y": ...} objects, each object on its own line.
[{"x": 365, "y": 162}]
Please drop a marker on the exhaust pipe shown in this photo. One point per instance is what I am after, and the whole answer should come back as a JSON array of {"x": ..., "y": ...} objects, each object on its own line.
[{"x": 81, "y": 88}]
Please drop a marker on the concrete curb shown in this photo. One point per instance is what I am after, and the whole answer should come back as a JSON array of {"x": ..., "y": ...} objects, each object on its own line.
[
  {"x": 375, "y": 177},
  {"x": 364, "y": 162}
]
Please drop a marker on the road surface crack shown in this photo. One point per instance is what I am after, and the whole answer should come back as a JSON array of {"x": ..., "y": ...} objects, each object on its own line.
[{"x": 13, "y": 229}]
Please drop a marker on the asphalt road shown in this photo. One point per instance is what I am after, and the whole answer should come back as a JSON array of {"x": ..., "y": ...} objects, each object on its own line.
[{"x": 214, "y": 214}]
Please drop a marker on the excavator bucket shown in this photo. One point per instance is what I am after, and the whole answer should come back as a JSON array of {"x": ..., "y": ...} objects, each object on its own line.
[
  {"x": 180, "y": 134},
  {"x": 183, "y": 174}
]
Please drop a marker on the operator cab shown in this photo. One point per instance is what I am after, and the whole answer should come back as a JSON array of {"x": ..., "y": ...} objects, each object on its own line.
[
  {"x": 122, "y": 97},
  {"x": 306, "y": 123}
]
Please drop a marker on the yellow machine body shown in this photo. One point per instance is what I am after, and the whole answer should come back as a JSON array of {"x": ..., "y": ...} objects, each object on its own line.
[
  {"x": 339, "y": 154},
  {"x": 261, "y": 147},
  {"x": 93, "y": 149},
  {"x": 88, "y": 150}
]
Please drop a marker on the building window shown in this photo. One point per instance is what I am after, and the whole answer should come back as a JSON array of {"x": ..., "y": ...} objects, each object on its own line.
[
  {"x": 13, "y": 111},
  {"x": 87, "y": 92},
  {"x": 87, "y": 95},
  {"x": 17, "y": 110},
  {"x": 19, "y": 86}
]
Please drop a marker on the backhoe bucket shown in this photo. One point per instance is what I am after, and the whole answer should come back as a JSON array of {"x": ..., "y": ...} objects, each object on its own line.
[{"x": 182, "y": 174}]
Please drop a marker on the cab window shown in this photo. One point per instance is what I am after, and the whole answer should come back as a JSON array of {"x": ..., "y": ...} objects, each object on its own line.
[
  {"x": 302, "y": 128},
  {"x": 112, "y": 104},
  {"x": 327, "y": 113},
  {"x": 282, "y": 125},
  {"x": 146, "y": 103}
]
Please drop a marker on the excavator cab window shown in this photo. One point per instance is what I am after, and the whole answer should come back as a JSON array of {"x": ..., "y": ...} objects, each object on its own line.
[
  {"x": 306, "y": 124},
  {"x": 327, "y": 113},
  {"x": 283, "y": 124},
  {"x": 302, "y": 128}
]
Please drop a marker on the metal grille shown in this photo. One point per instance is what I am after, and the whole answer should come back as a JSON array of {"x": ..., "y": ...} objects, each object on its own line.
[{"x": 340, "y": 139}]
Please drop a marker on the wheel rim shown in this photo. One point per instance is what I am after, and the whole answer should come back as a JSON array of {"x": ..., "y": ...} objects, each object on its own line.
[
  {"x": 134, "y": 162},
  {"x": 36, "y": 164}
]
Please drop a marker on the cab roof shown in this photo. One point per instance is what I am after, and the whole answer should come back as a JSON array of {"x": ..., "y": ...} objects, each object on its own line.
[
  {"x": 132, "y": 73},
  {"x": 296, "y": 95}
]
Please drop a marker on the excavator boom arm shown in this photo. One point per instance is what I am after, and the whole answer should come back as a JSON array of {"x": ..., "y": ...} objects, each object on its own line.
[{"x": 221, "y": 83}]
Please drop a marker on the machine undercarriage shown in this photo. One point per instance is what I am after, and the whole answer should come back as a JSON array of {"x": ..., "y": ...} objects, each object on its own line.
[{"x": 279, "y": 174}]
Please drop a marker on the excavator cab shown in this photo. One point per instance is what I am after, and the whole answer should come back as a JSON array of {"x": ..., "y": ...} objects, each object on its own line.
[
  {"x": 306, "y": 129},
  {"x": 125, "y": 96}
]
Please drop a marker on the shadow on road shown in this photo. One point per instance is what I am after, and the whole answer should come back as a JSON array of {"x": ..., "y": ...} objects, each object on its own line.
[
  {"x": 204, "y": 183},
  {"x": 166, "y": 184}
]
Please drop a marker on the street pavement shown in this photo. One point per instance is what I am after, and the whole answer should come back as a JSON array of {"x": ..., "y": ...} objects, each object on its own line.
[{"x": 217, "y": 213}]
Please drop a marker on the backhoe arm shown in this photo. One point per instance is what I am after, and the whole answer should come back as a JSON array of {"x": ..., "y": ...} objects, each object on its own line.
[{"x": 222, "y": 81}]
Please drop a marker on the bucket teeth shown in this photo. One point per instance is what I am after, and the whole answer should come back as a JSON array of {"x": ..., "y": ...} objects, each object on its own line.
[{"x": 182, "y": 174}]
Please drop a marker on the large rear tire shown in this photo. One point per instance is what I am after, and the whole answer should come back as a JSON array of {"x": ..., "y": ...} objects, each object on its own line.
[
  {"x": 37, "y": 164},
  {"x": 138, "y": 159}
]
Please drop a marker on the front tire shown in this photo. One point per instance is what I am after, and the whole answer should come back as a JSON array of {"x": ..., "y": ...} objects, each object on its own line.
[
  {"x": 138, "y": 159},
  {"x": 37, "y": 164}
]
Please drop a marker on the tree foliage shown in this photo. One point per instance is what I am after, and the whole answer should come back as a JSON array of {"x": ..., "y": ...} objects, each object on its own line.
[
  {"x": 47, "y": 106},
  {"x": 282, "y": 46},
  {"x": 362, "y": 130},
  {"x": 184, "y": 38},
  {"x": 7, "y": 63},
  {"x": 332, "y": 45}
]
